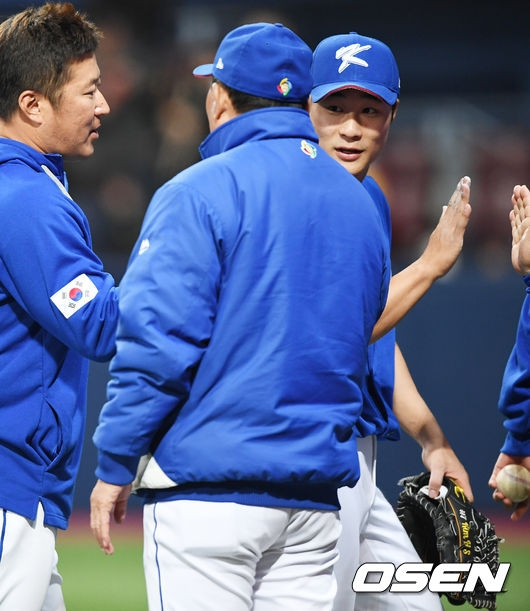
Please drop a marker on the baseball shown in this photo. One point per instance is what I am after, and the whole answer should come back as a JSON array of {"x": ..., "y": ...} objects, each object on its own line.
[{"x": 514, "y": 482}]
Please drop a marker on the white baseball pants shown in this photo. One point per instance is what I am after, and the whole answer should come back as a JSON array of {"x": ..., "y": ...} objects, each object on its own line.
[
  {"x": 29, "y": 579},
  {"x": 202, "y": 556},
  {"x": 372, "y": 532}
]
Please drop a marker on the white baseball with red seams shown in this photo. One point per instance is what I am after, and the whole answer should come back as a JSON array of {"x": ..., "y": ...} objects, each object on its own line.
[{"x": 514, "y": 482}]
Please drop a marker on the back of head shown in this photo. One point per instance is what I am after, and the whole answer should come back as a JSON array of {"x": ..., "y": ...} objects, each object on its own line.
[
  {"x": 352, "y": 61},
  {"x": 264, "y": 60},
  {"x": 37, "y": 48}
]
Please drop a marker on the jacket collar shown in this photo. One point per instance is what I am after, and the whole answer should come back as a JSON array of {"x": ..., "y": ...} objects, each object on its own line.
[{"x": 258, "y": 125}]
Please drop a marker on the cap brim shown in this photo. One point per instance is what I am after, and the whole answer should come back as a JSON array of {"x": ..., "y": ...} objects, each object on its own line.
[
  {"x": 321, "y": 91},
  {"x": 204, "y": 70}
]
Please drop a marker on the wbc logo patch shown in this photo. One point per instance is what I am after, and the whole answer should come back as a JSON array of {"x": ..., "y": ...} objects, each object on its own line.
[{"x": 74, "y": 295}]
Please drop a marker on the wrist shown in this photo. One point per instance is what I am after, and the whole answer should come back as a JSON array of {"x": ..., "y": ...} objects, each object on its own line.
[{"x": 426, "y": 270}]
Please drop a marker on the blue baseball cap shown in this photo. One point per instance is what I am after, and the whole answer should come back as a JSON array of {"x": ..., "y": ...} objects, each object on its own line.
[
  {"x": 265, "y": 60},
  {"x": 352, "y": 61}
]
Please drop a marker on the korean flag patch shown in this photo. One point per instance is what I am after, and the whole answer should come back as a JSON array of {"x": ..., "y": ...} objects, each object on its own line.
[{"x": 74, "y": 295}]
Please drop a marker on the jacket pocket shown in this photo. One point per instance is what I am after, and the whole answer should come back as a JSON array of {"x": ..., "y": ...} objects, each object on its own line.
[{"x": 47, "y": 439}]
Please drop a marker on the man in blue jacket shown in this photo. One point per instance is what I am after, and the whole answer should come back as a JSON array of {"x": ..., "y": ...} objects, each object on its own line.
[
  {"x": 245, "y": 315},
  {"x": 514, "y": 398},
  {"x": 58, "y": 308},
  {"x": 354, "y": 100}
]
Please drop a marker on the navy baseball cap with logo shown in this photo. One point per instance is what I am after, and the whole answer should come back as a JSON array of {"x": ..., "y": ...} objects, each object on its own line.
[
  {"x": 265, "y": 60},
  {"x": 352, "y": 61}
]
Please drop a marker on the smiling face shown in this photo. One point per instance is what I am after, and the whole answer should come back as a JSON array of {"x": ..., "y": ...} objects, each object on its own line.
[
  {"x": 70, "y": 127},
  {"x": 352, "y": 127}
]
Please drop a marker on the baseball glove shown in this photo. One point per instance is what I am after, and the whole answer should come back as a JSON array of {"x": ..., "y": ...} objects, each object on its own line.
[{"x": 449, "y": 529}]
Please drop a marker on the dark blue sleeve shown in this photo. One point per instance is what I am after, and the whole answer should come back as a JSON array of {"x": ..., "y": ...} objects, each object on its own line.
[{"x": 514, "y": 400}]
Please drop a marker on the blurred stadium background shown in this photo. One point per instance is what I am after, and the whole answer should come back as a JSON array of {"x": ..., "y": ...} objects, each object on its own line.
[{"x": 465, "y": 76}]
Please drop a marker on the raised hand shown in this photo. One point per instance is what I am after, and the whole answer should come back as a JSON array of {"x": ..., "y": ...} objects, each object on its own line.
[
  {"x": 520, "y": 222},
  {"x": 446, "y": 241},
  {"x": 442, "y": 250}
]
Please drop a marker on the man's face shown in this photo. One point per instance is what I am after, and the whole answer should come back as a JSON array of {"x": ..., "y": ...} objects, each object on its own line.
[
  {"x": 72, "y": 126},
  {"x": 352, "y": 127}
]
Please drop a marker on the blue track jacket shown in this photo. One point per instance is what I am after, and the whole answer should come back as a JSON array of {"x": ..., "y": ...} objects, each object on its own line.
[
  {"x": 514, "y": 400},
  {"x": 245, "y": 315},
  {"x": 58, "y": 308}
]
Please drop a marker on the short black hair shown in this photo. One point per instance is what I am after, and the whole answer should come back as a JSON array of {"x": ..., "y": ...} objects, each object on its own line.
[
  {"x": 37, "y": 48},
  {"x": 244, "y": 102}
]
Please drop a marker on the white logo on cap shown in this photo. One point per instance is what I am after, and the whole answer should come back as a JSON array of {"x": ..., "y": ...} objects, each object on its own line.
[
  {"x": 349, "y": 56},
  {"x": 219, "y": 65}
]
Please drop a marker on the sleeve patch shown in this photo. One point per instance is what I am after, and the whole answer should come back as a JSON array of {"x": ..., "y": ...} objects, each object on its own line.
[{"x": 74, "y": 295}]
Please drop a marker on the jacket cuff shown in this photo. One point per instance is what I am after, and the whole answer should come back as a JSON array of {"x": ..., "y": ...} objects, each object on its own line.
[
  {"x": 117, "y": 470},
  {"x": 514, "y": 446}
]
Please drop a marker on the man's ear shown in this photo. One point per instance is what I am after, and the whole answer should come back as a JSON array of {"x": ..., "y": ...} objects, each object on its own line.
[
  {"x": 220, "y": 108},
  {"x": 394, "y": 109},
  {"x": 29, "y": 104},
  {"x": 221, "y": 102}
]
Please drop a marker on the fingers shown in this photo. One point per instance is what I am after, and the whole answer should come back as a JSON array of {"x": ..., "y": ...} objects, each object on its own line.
[
  {"x": 460, "y": 198},
  {"x": 106, "y": 499},
  {"x": 464, "y": 483},
  {"x": 446, "y": 241},
  {"x": 435, "y": 481},
  {"x": 521, "y": 207},
  {"x": 501, "y": 462},
  {"x": 457, "y": 212},
  {"x": 519, "y": 509},
  {"x": 515, "y": 226},
  {"x": 459, "y": 201},
  {"x": 100, "y": 525},
  {"x": 492, "y": 482},
  {"x": 120, "y": 508},
  {"x": 462, "y": 480},
  {"x": 456, "y": 473},
  {"x": 442, "y": 461},
  {"x": 517, "y": 214}
]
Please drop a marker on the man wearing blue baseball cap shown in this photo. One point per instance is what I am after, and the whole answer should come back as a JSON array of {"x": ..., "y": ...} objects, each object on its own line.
[
  {"x": 245, "y": 315},
  {"x": 354, "y": 100}
]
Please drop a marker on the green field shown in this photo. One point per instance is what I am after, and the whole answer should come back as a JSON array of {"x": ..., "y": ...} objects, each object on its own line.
[
  {"x": 93, "y": 581},
  {"x": 517, "y": 596},
  {"x": 116, "y": 583}
]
